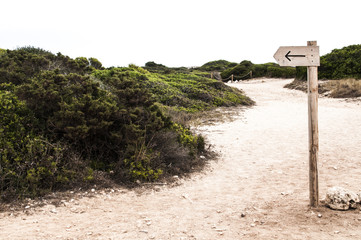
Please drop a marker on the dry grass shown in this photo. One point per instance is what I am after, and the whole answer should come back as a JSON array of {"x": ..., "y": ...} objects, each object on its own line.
[{"x": 347, "y": 88}]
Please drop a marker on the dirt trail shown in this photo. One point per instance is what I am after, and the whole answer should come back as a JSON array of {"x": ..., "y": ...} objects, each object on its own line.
[{"x": 258, "y": 189}]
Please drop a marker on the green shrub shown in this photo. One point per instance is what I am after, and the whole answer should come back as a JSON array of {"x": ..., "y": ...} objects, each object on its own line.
[{"x": 29, "y": 164}]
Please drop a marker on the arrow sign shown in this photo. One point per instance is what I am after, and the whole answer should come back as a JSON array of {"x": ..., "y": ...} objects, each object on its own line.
[
  {"x": 288, "y": 55},
  {"x": 298, "y": 56}
]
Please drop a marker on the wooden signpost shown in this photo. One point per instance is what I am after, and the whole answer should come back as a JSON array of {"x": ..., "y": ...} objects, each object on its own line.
[{"x": 307, "y": 56}]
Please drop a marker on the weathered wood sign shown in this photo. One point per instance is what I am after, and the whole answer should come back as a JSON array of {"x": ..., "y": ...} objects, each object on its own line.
[
  {"x": 298, "y": 56},
  {"x": 307, "y": 56}
]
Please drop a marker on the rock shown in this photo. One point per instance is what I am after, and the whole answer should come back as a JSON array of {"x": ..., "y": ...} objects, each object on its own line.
[
  {"x": 243, "y": 215},
  {"x": 338, "y": 198}
]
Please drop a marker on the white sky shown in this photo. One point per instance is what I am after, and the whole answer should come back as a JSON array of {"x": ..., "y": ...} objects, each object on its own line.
[{"x": 177, "y": 33}]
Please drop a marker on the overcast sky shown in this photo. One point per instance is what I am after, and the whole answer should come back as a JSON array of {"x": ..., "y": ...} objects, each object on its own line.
[{"x": 177, "y": 33}]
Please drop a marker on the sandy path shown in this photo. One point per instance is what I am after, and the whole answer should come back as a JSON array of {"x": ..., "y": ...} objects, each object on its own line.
[{"x": 258, "y": 189}]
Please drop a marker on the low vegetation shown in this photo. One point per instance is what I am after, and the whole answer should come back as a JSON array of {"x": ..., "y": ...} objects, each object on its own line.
[
  {"x": 350, "y": 88},
  {"x": 65, "y": 121}
]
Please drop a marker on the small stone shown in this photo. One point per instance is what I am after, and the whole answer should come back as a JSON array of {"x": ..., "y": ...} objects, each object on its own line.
[
  {"x": 202, "y": 157},
  {"x": 319, "y": 215},
  {"x": 253, "y": 225},
  {"x": 219, "y": 211},
  {"x": 243, "y": 215},
  {"x": 53, "y": 210},
  {"x": 334, "y": 167},
  {"x": 27, "y": 207},
  {"x": 92, "y": 190},
  {"x": 336, "y": 232}
]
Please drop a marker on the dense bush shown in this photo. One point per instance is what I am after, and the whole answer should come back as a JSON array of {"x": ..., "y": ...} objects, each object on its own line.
[
  {"x": 29, "y": 163},
  {"x": 63, "y": 119},
  {"x": 341, "y": 63}
]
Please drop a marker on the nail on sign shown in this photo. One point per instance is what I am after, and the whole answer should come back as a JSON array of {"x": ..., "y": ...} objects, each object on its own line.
[{"x": 298, "y": 56}]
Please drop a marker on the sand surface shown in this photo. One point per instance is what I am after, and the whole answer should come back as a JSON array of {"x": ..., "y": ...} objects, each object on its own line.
[{"x": 257, "y": 189}]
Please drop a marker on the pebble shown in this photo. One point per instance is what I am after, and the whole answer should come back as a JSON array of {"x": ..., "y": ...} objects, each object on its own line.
[
  {"x": 319, "y": 215},
  {"x": 243, "y": 214},
  {"x": 253, "y": 225}
]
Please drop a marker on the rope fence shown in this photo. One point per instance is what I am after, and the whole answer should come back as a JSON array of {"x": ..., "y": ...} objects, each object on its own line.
[{"x": 237, "y": 78}]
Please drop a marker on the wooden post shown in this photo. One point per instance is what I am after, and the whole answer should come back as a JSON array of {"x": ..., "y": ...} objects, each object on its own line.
[
  {"x": 251, "y": 74},
  {"x": 312, "y": 82},
  {"x": 232, "y": 78}
]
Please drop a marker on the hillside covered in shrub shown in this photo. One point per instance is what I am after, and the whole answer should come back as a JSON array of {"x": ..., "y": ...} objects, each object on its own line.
[
  {"x": 243, "y": 71},
  {"x": 219, "y": 65},
  {"x": 65, "y": 120}
]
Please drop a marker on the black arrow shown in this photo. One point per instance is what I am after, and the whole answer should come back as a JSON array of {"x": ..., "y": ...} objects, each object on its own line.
[{"x": 288, "y": 55}]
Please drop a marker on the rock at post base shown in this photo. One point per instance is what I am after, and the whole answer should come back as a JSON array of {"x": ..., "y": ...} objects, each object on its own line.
[{"x": 338, "y": 198}]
